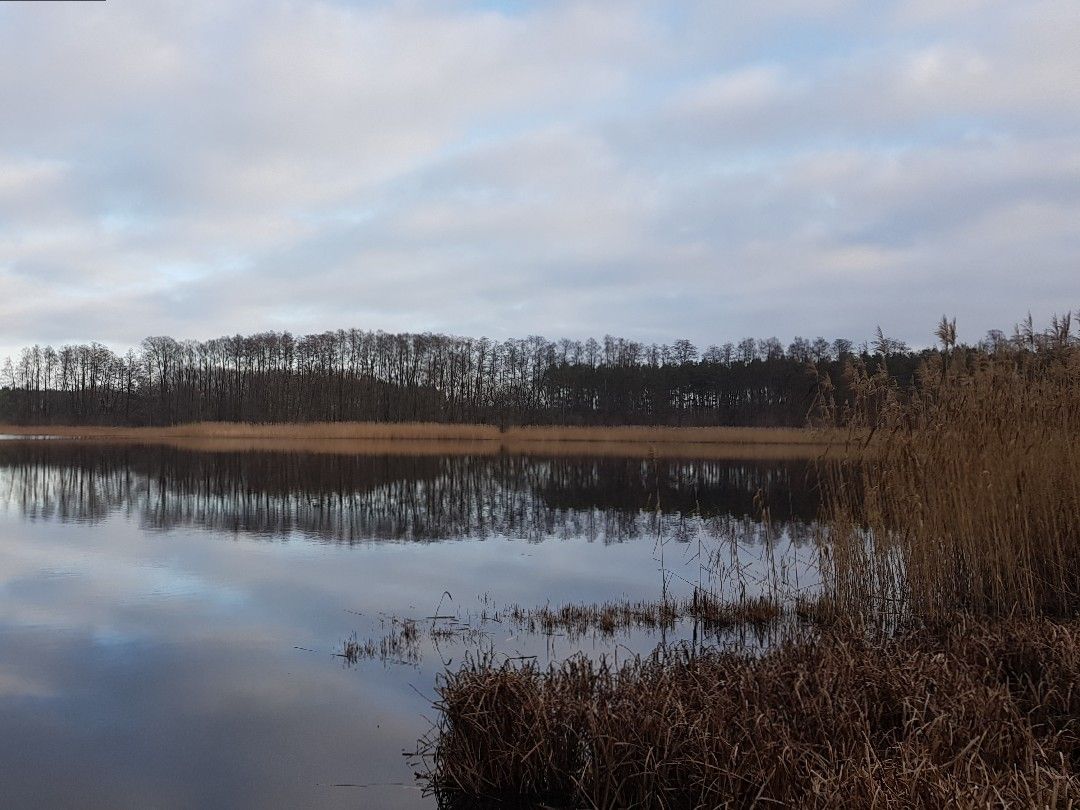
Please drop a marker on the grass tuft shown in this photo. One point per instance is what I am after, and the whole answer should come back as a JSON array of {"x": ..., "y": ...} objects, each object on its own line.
[{"x": 976, "y": 715}]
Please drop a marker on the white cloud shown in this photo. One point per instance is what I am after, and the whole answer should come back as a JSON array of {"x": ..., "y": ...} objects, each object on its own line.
[
  {"x": 741, "y": 89},
  {"x": 569, "y": 168}
]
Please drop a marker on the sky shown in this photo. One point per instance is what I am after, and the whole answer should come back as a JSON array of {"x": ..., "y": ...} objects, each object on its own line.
[{"x": 657, "y": 171}]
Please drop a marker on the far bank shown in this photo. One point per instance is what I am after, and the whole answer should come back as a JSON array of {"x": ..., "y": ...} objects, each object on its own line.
[{"x": 427, "y": 437}]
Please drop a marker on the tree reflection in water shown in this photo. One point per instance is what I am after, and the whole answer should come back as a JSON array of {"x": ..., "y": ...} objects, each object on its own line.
[{"x": 351, "y": 498}]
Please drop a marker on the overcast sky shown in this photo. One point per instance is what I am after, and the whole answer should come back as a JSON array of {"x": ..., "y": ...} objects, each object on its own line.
[{"x": 662, "y": 170}]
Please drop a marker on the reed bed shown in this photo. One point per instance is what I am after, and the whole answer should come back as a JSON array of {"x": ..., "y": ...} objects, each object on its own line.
[
  {"x": 468, "y": 447},
  {"x": 939, "y": 662},
  {"x": 403, "y": 639},
  {"x": 434, "y": 431},
  {"x": 609, "y": 618},
  {"x": 663, "y": 435},
  {"x": 971, "y": 499},
  {"x": 976, "y": 715}
]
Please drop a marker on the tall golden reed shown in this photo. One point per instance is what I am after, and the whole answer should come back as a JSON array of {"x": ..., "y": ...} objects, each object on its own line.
[{"x": 970, "y": 500}]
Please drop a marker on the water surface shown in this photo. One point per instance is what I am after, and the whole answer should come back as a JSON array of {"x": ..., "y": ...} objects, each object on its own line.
[{"x": 170, "y": 618}]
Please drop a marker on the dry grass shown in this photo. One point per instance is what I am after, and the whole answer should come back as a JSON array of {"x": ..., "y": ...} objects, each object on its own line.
[
  {"x": 971, "y": 501},
  {"x": 399, "y": 644},
  {"x": 479, "y": 447},
  {"x": 426, "y": 439},
  {"x": 959, "y": 536},
  {"x": 975, "y": 716},
  {"x": 609, "y": 618},
  {"x": 664, "y": 435},
  {"x": 432, "y": 431},
  {"x": 403, "y": 639}
]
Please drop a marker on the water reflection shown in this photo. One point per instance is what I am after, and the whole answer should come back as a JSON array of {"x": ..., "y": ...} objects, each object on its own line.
[
  {"x": 161, "y": 647},
  {"x": 358, "y": 498}
]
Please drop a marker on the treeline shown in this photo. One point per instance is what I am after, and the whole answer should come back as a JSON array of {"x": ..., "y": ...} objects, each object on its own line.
[{"x": 354, "y": 375}]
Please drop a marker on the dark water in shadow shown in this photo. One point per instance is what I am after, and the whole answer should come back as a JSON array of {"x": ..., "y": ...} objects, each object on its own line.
[{"x": 169, "y": 619}]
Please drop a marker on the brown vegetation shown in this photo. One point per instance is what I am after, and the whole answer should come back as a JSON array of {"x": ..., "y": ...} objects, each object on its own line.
[
  {"x": 432, "y": 439},
  {"x": 974, "y": 716},
  {"x": 971, "y": 501},
  {"x": 959, "y": 537},
  {"x": 435, "y": 431},
  {"x": 400, "y": 644},
  {"x": 402, "y": 639},
  {"x": 608, "y": 618}
]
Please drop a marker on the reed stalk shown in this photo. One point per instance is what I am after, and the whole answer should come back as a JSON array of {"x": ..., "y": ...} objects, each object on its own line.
[{"x": 970, "y": 499}]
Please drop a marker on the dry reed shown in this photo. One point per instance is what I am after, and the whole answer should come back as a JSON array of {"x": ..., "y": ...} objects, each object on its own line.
[
  {"x": 959, "y": 534},
  {"x": 473, "y": 447},
  {"x": 401, "y": 644},
  {"x": 983, "y": 714},
  {"x": 434, "y": 431},
  {"x": 971, "y": 500},
  {"x": 403, "y": 639},
  {"x": 608, "y": 618}
]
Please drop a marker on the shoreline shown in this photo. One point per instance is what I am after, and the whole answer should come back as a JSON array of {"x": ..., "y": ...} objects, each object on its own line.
[
  {"x": 440, "y": 439},
  {"x": 425, "y": 431}
]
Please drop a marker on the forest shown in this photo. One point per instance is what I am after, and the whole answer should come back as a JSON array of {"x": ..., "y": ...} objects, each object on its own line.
[{"x": 355, "y": 375}]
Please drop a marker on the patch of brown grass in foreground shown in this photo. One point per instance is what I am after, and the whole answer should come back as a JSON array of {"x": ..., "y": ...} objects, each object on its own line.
[{"x": 978, "y": 715}]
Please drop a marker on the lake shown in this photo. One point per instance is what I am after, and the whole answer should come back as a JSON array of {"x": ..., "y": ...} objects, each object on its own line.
[{"x": 172, "y": 619}]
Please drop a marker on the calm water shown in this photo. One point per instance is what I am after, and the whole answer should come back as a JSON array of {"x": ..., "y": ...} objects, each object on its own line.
[{"x": 169, "y": 619}]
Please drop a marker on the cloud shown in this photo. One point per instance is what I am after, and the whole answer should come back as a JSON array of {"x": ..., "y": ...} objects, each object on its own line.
[{"x": 567, "y": 168}]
